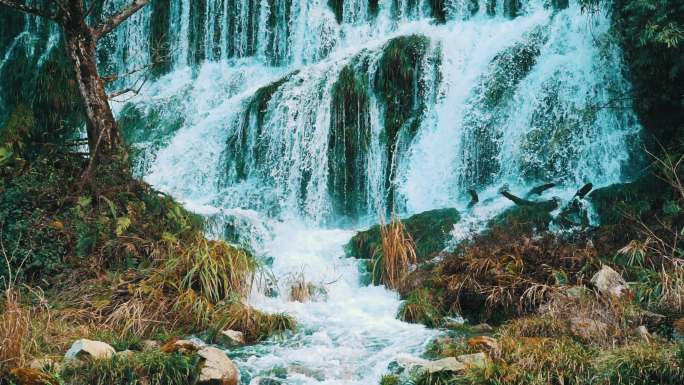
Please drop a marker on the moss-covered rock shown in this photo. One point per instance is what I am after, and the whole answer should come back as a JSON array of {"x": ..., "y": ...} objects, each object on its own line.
[
  {"x": 524, "y": 218},
  {"x": 494, "y": 93},
  {"x": 430, "y": 231},
  {"x": 348, "y": 143},
  {"x": 639, "y": 197},
  {"x": 397, "y": 84},
  {"x": 246, "y": 144}
]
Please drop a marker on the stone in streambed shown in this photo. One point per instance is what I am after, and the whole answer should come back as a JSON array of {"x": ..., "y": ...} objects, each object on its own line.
[
  {"x": 217, "y": 368},
  {"x": 232, "y": 337}
]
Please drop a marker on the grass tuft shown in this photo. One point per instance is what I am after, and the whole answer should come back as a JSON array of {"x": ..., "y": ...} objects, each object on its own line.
[{"x": 397, "y": 253}]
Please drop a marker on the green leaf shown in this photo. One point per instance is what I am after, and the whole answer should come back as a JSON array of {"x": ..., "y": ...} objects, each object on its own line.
[{"x": 122, "y": 224}]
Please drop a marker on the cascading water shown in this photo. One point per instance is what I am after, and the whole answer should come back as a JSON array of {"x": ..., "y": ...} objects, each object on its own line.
[{"x": 291, "y": 118}]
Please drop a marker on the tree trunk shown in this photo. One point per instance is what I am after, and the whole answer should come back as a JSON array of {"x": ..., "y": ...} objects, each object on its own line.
[{"x": 103, "y": 134}]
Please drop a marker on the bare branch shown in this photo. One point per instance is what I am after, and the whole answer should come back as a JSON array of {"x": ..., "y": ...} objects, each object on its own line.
[
  {"x": 20, "y": 6},
  {"x": 134, "y": 90},
  {"x": 114, "y": 21}
]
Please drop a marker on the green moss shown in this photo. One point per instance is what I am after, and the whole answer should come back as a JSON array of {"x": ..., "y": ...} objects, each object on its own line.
[
  {"x": 349, "y": 139},
  {"x": 430, "y": 231},
  {"x": 337, "y": 7},
  {"x": 249, "y": 134},
  {"x": 16, "y": 132},
  {"x": 276, "y": 46},
  {"x": 422, "y": 306},
  {"x": 645, "y": 195},
  {"x": 493, "y": 94},
  {"x": 250, "y": 27},
  {"x": 523, "y": 219},
  {"x": 149, "y": 128},
  {"x": 390, "y": 379},
  {"x": 397, "y": 84},
  {"x": 512, "y": 8},
  {"x": 439, "y": 10},
  {"x": 646, "y": 30}
]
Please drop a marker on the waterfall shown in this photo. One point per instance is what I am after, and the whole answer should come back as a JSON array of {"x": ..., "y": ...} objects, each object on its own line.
[
  {"x": 291, "y": 119},
  {"x": 341, "y": 111}
]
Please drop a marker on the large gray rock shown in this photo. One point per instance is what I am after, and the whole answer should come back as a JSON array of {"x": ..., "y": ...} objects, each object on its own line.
[
  {"x": 217, "y": 368},
  {"x": 609, "y": 282},
  {"x": 88, "y": 349},
  {"x": 232, "y": 337}
]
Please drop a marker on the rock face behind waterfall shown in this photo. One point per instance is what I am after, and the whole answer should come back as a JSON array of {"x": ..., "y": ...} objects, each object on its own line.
[{"x": 430, "y": 231}]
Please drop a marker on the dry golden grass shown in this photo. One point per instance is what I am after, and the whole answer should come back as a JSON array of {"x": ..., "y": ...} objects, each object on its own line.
[
  {"x": 186, "y": 290},
  {"x": 397, "y": 253},
  {"x": 508, "y": 273},
  {"x": 14, "y": 328}
]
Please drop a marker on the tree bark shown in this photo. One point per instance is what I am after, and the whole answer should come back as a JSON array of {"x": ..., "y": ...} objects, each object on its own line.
[{"x": 81, "y": 46}]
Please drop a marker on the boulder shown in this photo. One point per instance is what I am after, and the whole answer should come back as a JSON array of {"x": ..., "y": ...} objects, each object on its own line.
[
  {"x": 232, "y": 337},
  {"x": 473, "y": 360},
  {"x": 430, "y": 232},
  {"x": 217, "y": 368},
  {"x": 181, "y": 346},
  {"x": 609, "y": 282},
  {"x": 29, "y": 376},
  {"x": 84, "y": 348},
  {"x": 449, "y": 364}
]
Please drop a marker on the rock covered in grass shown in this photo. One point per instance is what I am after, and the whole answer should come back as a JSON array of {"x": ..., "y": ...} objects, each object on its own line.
[
  {"x": 232, "y": 337},
  {"x": 85, "y": 348},
  {"x": 429, "y": 230},
  {"x": 609, "y": 282},
  {"x": 217, "y": 368}
]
